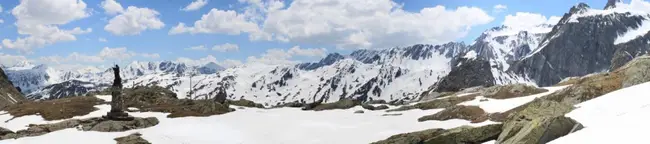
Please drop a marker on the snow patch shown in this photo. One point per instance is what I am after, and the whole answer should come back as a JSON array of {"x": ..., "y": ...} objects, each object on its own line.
[
  {"x": 470, "y": 55},
  {"x": 502, "y": 105},
  {"x": 632, "y": 34}
]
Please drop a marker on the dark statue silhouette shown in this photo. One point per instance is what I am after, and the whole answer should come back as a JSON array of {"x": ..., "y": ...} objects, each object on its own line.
[{"x": 117, "y": 102}]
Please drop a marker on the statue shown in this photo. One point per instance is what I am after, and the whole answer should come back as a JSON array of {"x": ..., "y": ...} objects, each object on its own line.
[{"x": 117, "y": 102}]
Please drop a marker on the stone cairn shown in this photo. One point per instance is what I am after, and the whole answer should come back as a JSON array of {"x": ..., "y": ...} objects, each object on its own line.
[{"x": 117, "y": 102}]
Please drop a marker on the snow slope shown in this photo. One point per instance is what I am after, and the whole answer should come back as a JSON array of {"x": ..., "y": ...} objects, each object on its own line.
[
  {"x": 617, "y": 117},
  {"x": 283, "y": 125}
]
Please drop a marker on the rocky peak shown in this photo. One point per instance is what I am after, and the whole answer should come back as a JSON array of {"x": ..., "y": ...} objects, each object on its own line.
[
  {"x": 579, "y": 8},
  {"x": 611, "y": 4},
  {"x": 328, "y": 60}
]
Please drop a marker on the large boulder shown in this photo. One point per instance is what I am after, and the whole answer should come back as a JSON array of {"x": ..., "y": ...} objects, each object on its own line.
[
  {"x": 103, "y": 125},
  {"x": 511, "y": 91},
  {"x": 467, "y": 134},
  {"x": 132, "y": 139},
  {"x": 437, "y": 103},
  {"x": 471, "y": 113},
  {"x": 411, "y": 138},
  {"x": 636, "y": 71},
  {"x": 244, "y": 103},
  {"x": 464, "y": 134},
  {"x": 540, "y": 121},
  {"x": 372, "y": 108},
  {"x": 341, "y": 104}
]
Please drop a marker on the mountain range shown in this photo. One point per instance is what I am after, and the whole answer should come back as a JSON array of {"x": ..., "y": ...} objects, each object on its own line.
[{"x": 584, "y": 41}]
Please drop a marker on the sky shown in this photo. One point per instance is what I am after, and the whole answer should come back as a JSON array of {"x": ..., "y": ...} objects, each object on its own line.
[{"x": 77, "y": 33}]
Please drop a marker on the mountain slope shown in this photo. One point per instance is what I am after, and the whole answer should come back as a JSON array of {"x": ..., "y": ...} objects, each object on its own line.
[
  {"x": 581, "y": 43},
  {"x": 8, "y": 93}
]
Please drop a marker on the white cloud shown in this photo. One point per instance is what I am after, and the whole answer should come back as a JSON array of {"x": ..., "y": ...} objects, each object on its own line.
[
  {"x": 272, "y": 57},
  {"x": 281, "y": 57},
  {"x": 344, "y": 23},
  {"x": 226, "y": 47},
  {"x": 151, "y": 55},
  {"x": 2, "y": 21},
  {"x": 197, "y": 48},
  {"x": 119, "y": 53},
  {"x": 524, "y": 20},
  {"x": 133, "y": 20},
  {"x": 9, "y": 60},
  {"x": 0, "y": 8},
  {"x": 198, "y": 62},
  {"x": 370, "y": 23},
  {"x": 218, "y": 21},
  {"x": 37, "y": 22},
  {"x": 499, "y": 8},
  {"x": 111, "y": 7},
  {"x": 78, "y": 57},
  {"x": 296, "y": 50},
  {"x": 102, "y": 39},
  {"x": 228, "y": 63},
  {"x": 195, "y": 5}
]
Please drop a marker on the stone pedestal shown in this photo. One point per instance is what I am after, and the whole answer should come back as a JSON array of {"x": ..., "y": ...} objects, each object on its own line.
[{"x": 117, "y": 103}]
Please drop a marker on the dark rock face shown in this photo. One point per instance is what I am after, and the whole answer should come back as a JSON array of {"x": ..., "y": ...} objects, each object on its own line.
[
  {"x": 576, "y": 49},
  {"x": 611, "y": 4},
  {"x": 9, "y": 95},
  {"x": 470, "y": 73},
  {"x": 625, "y": 52},
  {"x": 329, "y": 60}
]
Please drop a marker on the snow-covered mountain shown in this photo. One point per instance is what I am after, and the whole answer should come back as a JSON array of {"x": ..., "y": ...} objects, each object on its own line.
[
  {"x": 585, "y": 41},
  {"x": 44, "y": 82}
]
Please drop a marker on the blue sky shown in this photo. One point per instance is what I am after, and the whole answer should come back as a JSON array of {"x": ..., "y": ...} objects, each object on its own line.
[{"x": 293, "y": 29}]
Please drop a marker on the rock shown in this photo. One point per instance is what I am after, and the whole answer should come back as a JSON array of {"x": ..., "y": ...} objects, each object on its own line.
[
  {"x": 539, "y": 122},
  {"x": 376, "y": 102},
  {"x": 436, "y": 104},
  {"x": 311, "y": 106},
  {"x": 511, "y": 91},
  {"x": 392, "y": 114},
  {"x": 467, "y": 134},
  {"x": 464, "y": 135},
  {"x": 381, "y": 107},
  {"x": 411, "y": 138},
  {"x": 132, "y": 139},
  {"x": 244, "y": 103},
  {"x": 4, "y": 131},
  {"x": 358, "y": 112},
  {"x": 103, "y": 125},
  {"x": 341, "y": 104},
  {"x": 471, "y": 113},
  {"x": 587, "y": 88},
  {"x": 151, "y": 96},
  {"x": 372, "y": 108},
  {"x": 636, "y": 71}
]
